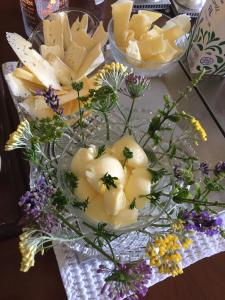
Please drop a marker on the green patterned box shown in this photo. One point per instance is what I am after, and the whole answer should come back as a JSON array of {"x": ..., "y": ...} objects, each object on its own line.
[{"x": 207, "y": 44}]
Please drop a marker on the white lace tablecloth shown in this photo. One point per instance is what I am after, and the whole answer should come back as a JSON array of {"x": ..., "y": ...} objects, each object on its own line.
[
  {"x": 78, "y": 272},
  {"x": 82, "y": 282}
]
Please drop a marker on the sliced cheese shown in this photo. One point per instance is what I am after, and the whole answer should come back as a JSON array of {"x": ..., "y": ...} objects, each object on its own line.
[
  {"x": 99, "y": 36},
  {"x": 74, "y": 56},
  {"x": 75, "y": 26},
  {"x": 67, "y": 35},
  {"x": 183, "y": 21},
  {"x": 53, "y": 33},
  {"x": 151, "y": 46},
  {"x": 33, "y": 61},
  {"x": 26, "y": 75},
  {"x": 166, "y": 56},
  {"x": 81, "y": 38},
  {"x": 133, "y": 53},
  {"x": 128, "y": 35},
  {"x": 46, "y": 50},
  {"x": 70, "y": 107},
  {"x": 89, "y": 59},
  {"x": 153, "y": 16},
  {"x": 121, "y": 12},
  {"x": 17, "y": 86},
  {"x": 172, "y": 31},
  {"x": 95, "y": 64},
  {"x": 84, "y": 23},
  {"x": 140, "y": 24},
  {"x": 64, "y": 74}
]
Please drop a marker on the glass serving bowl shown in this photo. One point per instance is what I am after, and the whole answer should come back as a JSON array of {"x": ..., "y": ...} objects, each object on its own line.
[
  {"x": 130, "y": 239},
  {"x": 37, "y": 37},
  {"x": 149, "y": 68}
]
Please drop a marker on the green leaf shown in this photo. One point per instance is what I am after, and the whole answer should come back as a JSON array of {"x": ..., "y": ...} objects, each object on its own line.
[
  {"x": 133, "y": 204},
  {"x": 173, "y": 150},
  {"x": 151, "y": 156},
  {"x": 78, "y": 86},
  {"x": 101, "y": 150},
  {"x": 71, "y": 180},
  {"x": 127, "y": 153},
  {"x": 219, "y": 59},
  {"x": 174, "y": 118},
  {"x": 59, "y": 200},
  {"x": 109, "y": 181},
  {"x": 157, "y": 174}
]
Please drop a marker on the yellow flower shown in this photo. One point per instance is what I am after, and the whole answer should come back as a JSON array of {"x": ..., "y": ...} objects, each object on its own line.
[
  {"x": 163, "y": 253},
  {"x": 111, "y": 75},
  {"x": 199, "y": 129},
  {"x": 27, "y": 251},
  {"x": 178, "y": 225},
  {"x": 20, "y": 137}
]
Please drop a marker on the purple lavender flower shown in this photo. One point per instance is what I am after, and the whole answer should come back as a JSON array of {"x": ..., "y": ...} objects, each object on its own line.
[
  {"x": 219, "y": 168},
  {"x": 204, "y": 168},
  {"x": 136, "y": 85},
  {"x": 201, "y": 222},
  {"x": 51, "y": 100},
  {"x": 34, "y": 204},
  {"x": 127, "y": 280}
]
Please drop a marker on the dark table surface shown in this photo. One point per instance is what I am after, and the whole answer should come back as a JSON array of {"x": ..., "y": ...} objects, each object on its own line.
[{"x": 205, "y": 280}]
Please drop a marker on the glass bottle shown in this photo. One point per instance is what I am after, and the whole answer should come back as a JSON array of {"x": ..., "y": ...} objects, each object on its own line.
[{"x": 33, "y": 11}]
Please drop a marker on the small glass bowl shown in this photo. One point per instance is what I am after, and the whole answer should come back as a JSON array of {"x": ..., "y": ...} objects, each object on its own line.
[
  {"x": 151, "y": 69},
  {"x": 37, "y": 37}
]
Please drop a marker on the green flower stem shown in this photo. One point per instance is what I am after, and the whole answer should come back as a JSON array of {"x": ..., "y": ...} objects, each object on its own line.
[
  {"x": 119, "y": 109},
  {"x": 107, "y": 125},
  {"x": 129, "y": 116},
  {"x": 193, "y": 201},
  {"x": 81, "y": 118},
  {"x": 187, "y": 90},
  {"x": 59, "y": 146},
  {"x": 87, "y": 240}
]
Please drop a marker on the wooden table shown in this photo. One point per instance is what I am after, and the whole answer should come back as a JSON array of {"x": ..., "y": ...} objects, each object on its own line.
[{"x": 202, "y": 281}]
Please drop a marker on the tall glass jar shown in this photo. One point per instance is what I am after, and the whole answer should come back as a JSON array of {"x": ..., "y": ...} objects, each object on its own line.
[{"x": 33, "y": 11}]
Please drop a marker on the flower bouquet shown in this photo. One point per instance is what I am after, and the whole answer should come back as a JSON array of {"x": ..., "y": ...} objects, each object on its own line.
[{"x": 143, "y": 178}]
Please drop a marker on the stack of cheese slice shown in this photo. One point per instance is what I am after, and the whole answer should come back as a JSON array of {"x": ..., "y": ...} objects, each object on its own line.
[
  {"x": 141, "y": 40},
  {"x": 112, "y": 204},
  {"x": 68, "y": 54}
]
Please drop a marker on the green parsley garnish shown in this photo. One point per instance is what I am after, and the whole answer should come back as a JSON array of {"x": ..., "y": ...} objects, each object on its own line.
[
  {"x": 133, "y": 204},
  {"x": 109, "y": 181},
  {"x": 127, "y": 154},
  {"x": 71, "y": 180},
  {"x": 101, "y": 150}
]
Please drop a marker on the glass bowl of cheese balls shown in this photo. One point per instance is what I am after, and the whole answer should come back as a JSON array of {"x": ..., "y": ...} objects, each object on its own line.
[
  {"x": 148, "y": 42},
  {"x": 112, "y": 178}
]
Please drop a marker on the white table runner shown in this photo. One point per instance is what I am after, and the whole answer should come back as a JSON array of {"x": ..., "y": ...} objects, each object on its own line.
[{"x": 82, "y": 282}]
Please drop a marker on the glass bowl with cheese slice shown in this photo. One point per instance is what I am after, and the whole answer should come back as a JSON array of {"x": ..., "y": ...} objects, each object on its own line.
[
  {"x": 148, "y": 42},
  {"x": 113, "y": 178},
  {"x": 65, "y": 47}
]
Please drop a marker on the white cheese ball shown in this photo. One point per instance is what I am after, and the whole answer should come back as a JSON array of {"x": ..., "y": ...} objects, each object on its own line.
[
  {"x": 96, "y": 210},
  {"x": 125, "y": 217},
  {"x": 97, "y": 168},
  {"x": 114, "y": 200},
  {"x": 139, "y": 158},
  {"x": 139, "y": 183},
  {"x": 84, "y": 190},
  {"x": 81, "y": 158}
]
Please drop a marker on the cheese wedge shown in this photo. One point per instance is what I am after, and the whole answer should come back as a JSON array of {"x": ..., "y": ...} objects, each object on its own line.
[
  {"x": 153, "y": 16},
  {"x": 128, "y": 35},
  {"x": 96, "y": 212},
  {"x": 183, "y": 21},
  {"x": 133, "y": 53},
  {"x": 140, "y": 24},
  {"x": 46, "y": 50},
  {"x": 81, "y": 158},
  {"x": 70, "y": 107},
  {"x": 75, "y": 26},
  {"x": 172, "y": 31},
  {"x": 84, "y": 190},
  {"x": 67, "y": 35},
  {"x": 89, "y": 59},
  {"x": 33, "y": 61},
  {"x": 152, "y": 46},
  {"x": 53, "y": 33},
  {"x": 125, "y": 217},
  {"x": 26, "y": 75},
  {"x": 17, "y": 86},
  {"x": 139, "y": 184},
  {"x": 99, "y": 36},
  {"x": 169, "y": 54},
  {"x": 74, "y": 56},
  {"x": 81, "y": 38},
  {"x": 114, "y": 201},
  {"x": 121, "y": 12},
  {"x": 64, "y": 74},
  {"x": 84, "y": 23}
]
